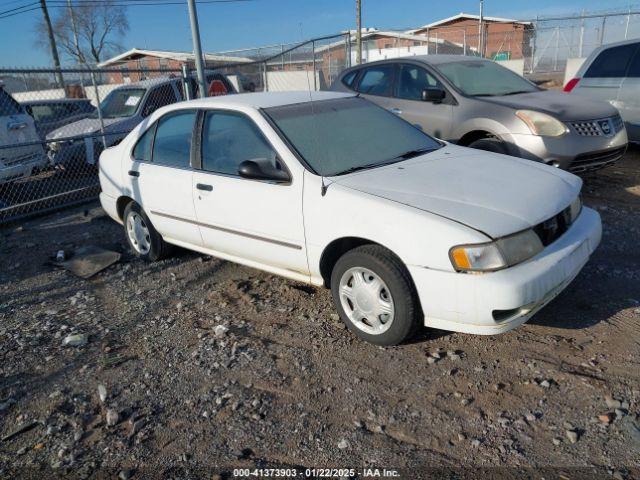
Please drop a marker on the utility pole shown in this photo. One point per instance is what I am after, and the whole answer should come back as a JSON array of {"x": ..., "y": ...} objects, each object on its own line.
[
  {"x": 52, "y": 43},
  {"x": 358, "y": 32},
  {"x": 481, "y": 30},
  {"x": 197, "y": 49}
]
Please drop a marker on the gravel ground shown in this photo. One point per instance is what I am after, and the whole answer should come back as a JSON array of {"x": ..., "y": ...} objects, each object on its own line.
[{"x": 195, "y": 366}]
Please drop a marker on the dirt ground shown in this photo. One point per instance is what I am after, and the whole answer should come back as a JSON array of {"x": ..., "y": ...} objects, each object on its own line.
[{"x": 204, "y": 366}]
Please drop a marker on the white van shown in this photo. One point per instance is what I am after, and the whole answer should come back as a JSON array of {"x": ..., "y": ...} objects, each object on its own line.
[
  {"x": 16, "y": 128},
  {"x": 612, "y": 73}
]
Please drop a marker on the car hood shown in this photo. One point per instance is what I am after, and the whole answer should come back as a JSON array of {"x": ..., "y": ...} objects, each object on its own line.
[
  {"x": 495, "y": 194},
  {"x": 92, "y": 125},
  {"x": 567, "y": 108}
]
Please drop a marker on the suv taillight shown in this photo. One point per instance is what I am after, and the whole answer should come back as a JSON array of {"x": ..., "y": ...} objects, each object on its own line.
[{"x": 571, "y": 84}]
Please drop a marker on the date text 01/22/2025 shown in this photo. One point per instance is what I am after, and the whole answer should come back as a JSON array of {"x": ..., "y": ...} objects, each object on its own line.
[{"x": 315, "y": 473}]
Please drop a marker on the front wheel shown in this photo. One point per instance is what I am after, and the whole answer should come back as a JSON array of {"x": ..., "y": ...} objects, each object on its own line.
[
  {"x": 142, "y": 238},
  {"x": 374, "y": 295}
]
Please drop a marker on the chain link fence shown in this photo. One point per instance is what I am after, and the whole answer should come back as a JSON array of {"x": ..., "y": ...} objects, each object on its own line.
[{"x": 54, "y": 124}]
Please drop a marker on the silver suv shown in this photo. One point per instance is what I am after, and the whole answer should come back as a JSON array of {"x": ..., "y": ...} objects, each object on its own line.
[
  {"x": 612, "y": 73},
  {"x": 477, "y": 103}
]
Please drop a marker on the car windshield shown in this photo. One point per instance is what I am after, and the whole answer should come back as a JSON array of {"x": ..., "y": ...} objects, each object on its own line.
[
  {"x": 121, "y": 103},
  {"x": 485, "y": 79},
  {"x": 344, "y": 135}
]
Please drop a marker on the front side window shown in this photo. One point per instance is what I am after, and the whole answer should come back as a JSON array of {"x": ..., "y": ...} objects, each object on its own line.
[
  {"x": 485, "y": 79},
  {"x": 172, "y": 144},
  {"x": 228, "y": 139},
  {"x": 343, "y": 135},
  {"x": 612, "y": 62},
  {"x": 413, "y": 80},
  {"x": 121, "y": 103},
  {"x": 159, "y": 97},
  {"x": 377, "y": 80}
]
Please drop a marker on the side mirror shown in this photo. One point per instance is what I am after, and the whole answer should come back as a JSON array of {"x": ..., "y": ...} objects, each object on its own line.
[
  {"x": 433, "y": 94},
  {"x": 262, "y": 169}
]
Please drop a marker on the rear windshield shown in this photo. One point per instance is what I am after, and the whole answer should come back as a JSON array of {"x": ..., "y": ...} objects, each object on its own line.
[
  {"x": 122, "y": 102},
  {"x": 485, "y": 79},
  {"x": 612, "y": 62},
  {"x": 341, "y": 135}
]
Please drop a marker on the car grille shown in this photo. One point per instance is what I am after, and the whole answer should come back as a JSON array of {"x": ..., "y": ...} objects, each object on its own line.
[
  {"x": 596, "y": 160},
  {"x": 604, "y": 127},
  {"x": 553, "y": 228}
]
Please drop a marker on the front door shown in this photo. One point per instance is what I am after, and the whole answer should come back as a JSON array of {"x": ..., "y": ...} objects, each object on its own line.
[
  {"x": 258, "y": 221},
  {"x": 433, "y": 118},
  {"x": 160, "y": 177}
]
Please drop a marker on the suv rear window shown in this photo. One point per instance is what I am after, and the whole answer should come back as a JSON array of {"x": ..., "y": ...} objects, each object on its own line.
[
  {"x": 612, "y": 62},
  {"x": 8, "y": 106}
]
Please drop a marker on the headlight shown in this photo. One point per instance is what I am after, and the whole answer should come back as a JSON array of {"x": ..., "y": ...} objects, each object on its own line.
[
  {"x": 575, "y": 208},
  {"x": 542, "y": 124},
  {"x": 502, "y": 253}
]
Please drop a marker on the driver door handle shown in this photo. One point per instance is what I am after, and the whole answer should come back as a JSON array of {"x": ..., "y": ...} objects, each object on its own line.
[
  {"x": 397, "y": 111},
  {"x": 204, "y": 186},
  {"x": 17, "y": 125},
  {"x": 134, "y": 173}
]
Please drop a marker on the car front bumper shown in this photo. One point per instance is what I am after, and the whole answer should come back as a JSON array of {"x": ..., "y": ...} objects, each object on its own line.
[
  {"x": 571, "y": 152},
  {"x": 491, "y": 303}
]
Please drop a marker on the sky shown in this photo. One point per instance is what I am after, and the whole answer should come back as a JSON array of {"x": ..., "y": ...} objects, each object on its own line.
[{"x": 267, "y": 22}]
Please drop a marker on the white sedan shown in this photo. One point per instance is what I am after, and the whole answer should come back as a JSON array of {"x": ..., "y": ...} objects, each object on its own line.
[{"x": 332, "y": 190}]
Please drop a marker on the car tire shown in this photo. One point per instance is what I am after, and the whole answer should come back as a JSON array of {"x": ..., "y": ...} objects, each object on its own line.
[
  {"x": 143, "y": 239},
  {"x": 490, "y": 145},
  {"x": 396, "y": 290}
]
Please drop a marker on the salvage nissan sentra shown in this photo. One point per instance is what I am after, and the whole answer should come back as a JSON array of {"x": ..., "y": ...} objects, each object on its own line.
[{"x": 332, "y": 190}]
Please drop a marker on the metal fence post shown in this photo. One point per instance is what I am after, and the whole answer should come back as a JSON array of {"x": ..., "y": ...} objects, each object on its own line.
[
  {"x": 580, "y": 46},
  {"x": 428, "y": 41},
  {"x": 266, "y": 78},
  {"x": 97, "y": 93},
  {"x": 604, "y": 22},
  {"x": 313, "y": 52},
  {"x": 186, "y": 84}
]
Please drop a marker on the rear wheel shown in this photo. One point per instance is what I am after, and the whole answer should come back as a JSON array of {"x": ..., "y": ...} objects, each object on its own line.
[
  {"x": 142, "y": 238},
  {"x": 374, "y": 295},
  {"x": 490, "y": 145}
]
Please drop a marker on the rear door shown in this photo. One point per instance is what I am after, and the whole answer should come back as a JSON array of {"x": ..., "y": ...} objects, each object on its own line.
[
  {"x": 375, "y": 83},
  {"x": 433, "y": 118},
  {"x": 629, "y": 97},
  {"x": 603, "y": 77},
  {"x": 159, "y": 176}
]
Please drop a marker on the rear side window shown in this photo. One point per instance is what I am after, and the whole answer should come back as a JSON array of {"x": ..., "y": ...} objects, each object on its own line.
[
  {"x": 349, "y": 78},
  {"x": 142, "y": 150},
  {"x": 8, "y": 106},
  {"x": 172, "y": 144},
  {"x": 612, "y": 62},
  {"x": 377, "y": 81}
]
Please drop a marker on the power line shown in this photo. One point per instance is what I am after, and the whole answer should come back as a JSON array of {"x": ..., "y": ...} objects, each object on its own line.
[{"x": 109, "y": 3}]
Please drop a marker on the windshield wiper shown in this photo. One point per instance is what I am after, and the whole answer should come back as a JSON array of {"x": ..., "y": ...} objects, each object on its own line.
[
  {"x": 403, "y": 156},
  {"x": 517, "y": 92}
]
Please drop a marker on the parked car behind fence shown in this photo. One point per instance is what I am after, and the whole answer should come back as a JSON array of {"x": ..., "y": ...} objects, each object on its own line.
[
  {"x": 52, "y": 114},
  {"x": 20, "y": 150}
]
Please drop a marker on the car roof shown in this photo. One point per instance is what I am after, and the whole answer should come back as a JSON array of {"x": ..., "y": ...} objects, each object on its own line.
[
  {"x": 150, "y": 82},
  {"x": 431, "y": 59},
  {"x": 263, "y": 99}
]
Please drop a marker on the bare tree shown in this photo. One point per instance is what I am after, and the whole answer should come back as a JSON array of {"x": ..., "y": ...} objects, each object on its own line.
[{"x": 99, "y": 26}]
